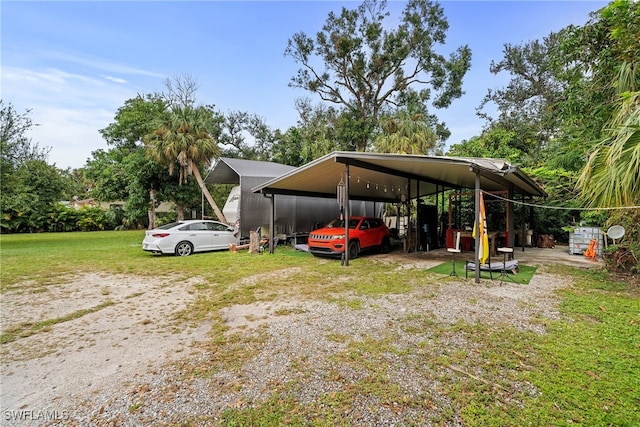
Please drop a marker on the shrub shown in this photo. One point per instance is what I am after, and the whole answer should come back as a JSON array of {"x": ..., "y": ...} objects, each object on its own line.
[{"x": 623, "y": 258}]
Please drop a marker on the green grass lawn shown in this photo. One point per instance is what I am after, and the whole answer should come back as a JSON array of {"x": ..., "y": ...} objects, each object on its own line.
[
  {"x": 585, "y": 370},
  {"x": 40, "y": 256},
  {"x": 523, "y": 277}
]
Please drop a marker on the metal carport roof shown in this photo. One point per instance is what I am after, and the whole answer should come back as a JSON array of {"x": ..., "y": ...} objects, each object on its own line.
[
  {"x": 228, "y": 170},
  {"x": 385, "y": 177}
]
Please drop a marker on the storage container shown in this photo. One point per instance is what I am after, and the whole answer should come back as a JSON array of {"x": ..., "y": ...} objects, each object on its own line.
[{"x": 581, "y": 238}]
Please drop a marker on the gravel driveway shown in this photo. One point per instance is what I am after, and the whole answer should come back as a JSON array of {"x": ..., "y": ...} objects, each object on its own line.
[{"x": 127, "y": 361}]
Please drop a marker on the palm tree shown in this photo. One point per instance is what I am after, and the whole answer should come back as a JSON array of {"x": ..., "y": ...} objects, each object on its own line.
[
  {"x": 182, "y": 138},
  {"x": 610, "y": 177},
  {"x": 405, "y": 133}
]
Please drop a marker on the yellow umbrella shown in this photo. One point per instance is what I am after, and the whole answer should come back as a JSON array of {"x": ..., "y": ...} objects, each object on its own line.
[{"x": 483, "y": 250}]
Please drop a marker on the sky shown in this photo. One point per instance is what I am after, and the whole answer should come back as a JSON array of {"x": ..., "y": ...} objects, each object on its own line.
[{"x": 74, "y": 63}]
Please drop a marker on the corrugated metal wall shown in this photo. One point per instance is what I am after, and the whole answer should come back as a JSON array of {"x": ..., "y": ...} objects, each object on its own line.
[{"x": 293, "y": 214}]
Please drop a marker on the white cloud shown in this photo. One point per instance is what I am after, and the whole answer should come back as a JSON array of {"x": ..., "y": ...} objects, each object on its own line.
[
  {"x": 69, "y": 107},
  {"x": 102, "y": 64},
  {"x": 71, "y": 134},
  {"x": 115, "y": 79},
  {"x": 57, "y": 87}
]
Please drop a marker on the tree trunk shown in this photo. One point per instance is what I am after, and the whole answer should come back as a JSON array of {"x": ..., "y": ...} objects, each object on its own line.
[
  {"x": 180, "y": 211},
  {"x": 152, "y": 208},
  {"x": 254, "y": 242},
  {"x": 205, "y": 191}
]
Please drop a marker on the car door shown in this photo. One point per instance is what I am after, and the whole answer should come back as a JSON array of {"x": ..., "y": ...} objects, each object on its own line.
[
  {"x": 378, "y": 231},
  {"x": 222, "y": 235},
  {"x": 365, "y": 234},
  {"x": 199, "y": 235}
]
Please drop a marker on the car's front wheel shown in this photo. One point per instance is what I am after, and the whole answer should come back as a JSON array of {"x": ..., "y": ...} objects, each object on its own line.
[
  {"x": 354, "y": 250},
  {"x": 184, "y": 248}
]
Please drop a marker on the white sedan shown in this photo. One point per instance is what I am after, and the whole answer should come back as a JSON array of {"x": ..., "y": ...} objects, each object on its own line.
[{"x": 186, "y": 237}]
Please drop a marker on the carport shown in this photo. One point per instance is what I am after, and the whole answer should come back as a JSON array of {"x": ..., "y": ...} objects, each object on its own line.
[{"x": 394, "y": 178}]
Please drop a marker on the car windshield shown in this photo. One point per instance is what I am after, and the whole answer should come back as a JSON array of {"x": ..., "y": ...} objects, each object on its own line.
[{"x": 339, "y": 223}]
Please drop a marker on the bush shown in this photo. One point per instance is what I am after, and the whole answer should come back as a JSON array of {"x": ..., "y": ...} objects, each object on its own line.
[
  {"x": 623, "y": 258},
  {"x": 163, "y": 218}
]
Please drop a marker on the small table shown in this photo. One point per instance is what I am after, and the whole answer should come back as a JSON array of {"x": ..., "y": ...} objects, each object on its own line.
[
  {"x": 503, "y": 272},
  {"x": 453, "y": 251}
]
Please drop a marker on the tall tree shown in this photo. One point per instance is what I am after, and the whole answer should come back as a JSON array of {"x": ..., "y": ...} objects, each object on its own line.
[
  {"x": 612, "y": 174},
  {"x": 186, "y": 137},
  {"x": 15, "y": 145},
  {"x": 29, "y": 187},
  {"x": 592, "y": 58},
  {"x": 320, "y": 130},
  {"x": 367, "y": 66},
  {"x": 237, "y": 127},
  {"x": 494, "y": 141},
  {"x": 528, "y": 105},
  {"x": 113, "y": 177},
  {"x": 287, "y": 148},
  {"x": 133, "y": 120},
  {"x": 181, "y": 91}
]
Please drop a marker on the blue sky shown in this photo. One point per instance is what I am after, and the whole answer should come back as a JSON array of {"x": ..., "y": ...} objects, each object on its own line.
[{"x": 75, "y": 63}]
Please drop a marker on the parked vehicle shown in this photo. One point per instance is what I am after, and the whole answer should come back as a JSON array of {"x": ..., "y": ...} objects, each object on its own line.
[
  {"x": 186, "y": 237},
  {"x": 365, "y": 233}
]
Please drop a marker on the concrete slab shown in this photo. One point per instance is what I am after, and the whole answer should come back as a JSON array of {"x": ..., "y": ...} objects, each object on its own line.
[
  {"x": 558, "y": 255},
  {"x": 530, "y": 256}
]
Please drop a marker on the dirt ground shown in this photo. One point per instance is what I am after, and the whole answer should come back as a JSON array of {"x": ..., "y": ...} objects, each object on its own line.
[
  {"x": 119, "y": 325},
  {"x": 132, "y": 331}
]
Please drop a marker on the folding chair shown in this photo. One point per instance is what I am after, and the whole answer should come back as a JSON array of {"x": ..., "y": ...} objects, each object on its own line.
[{"x": 471, "y": 266}]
